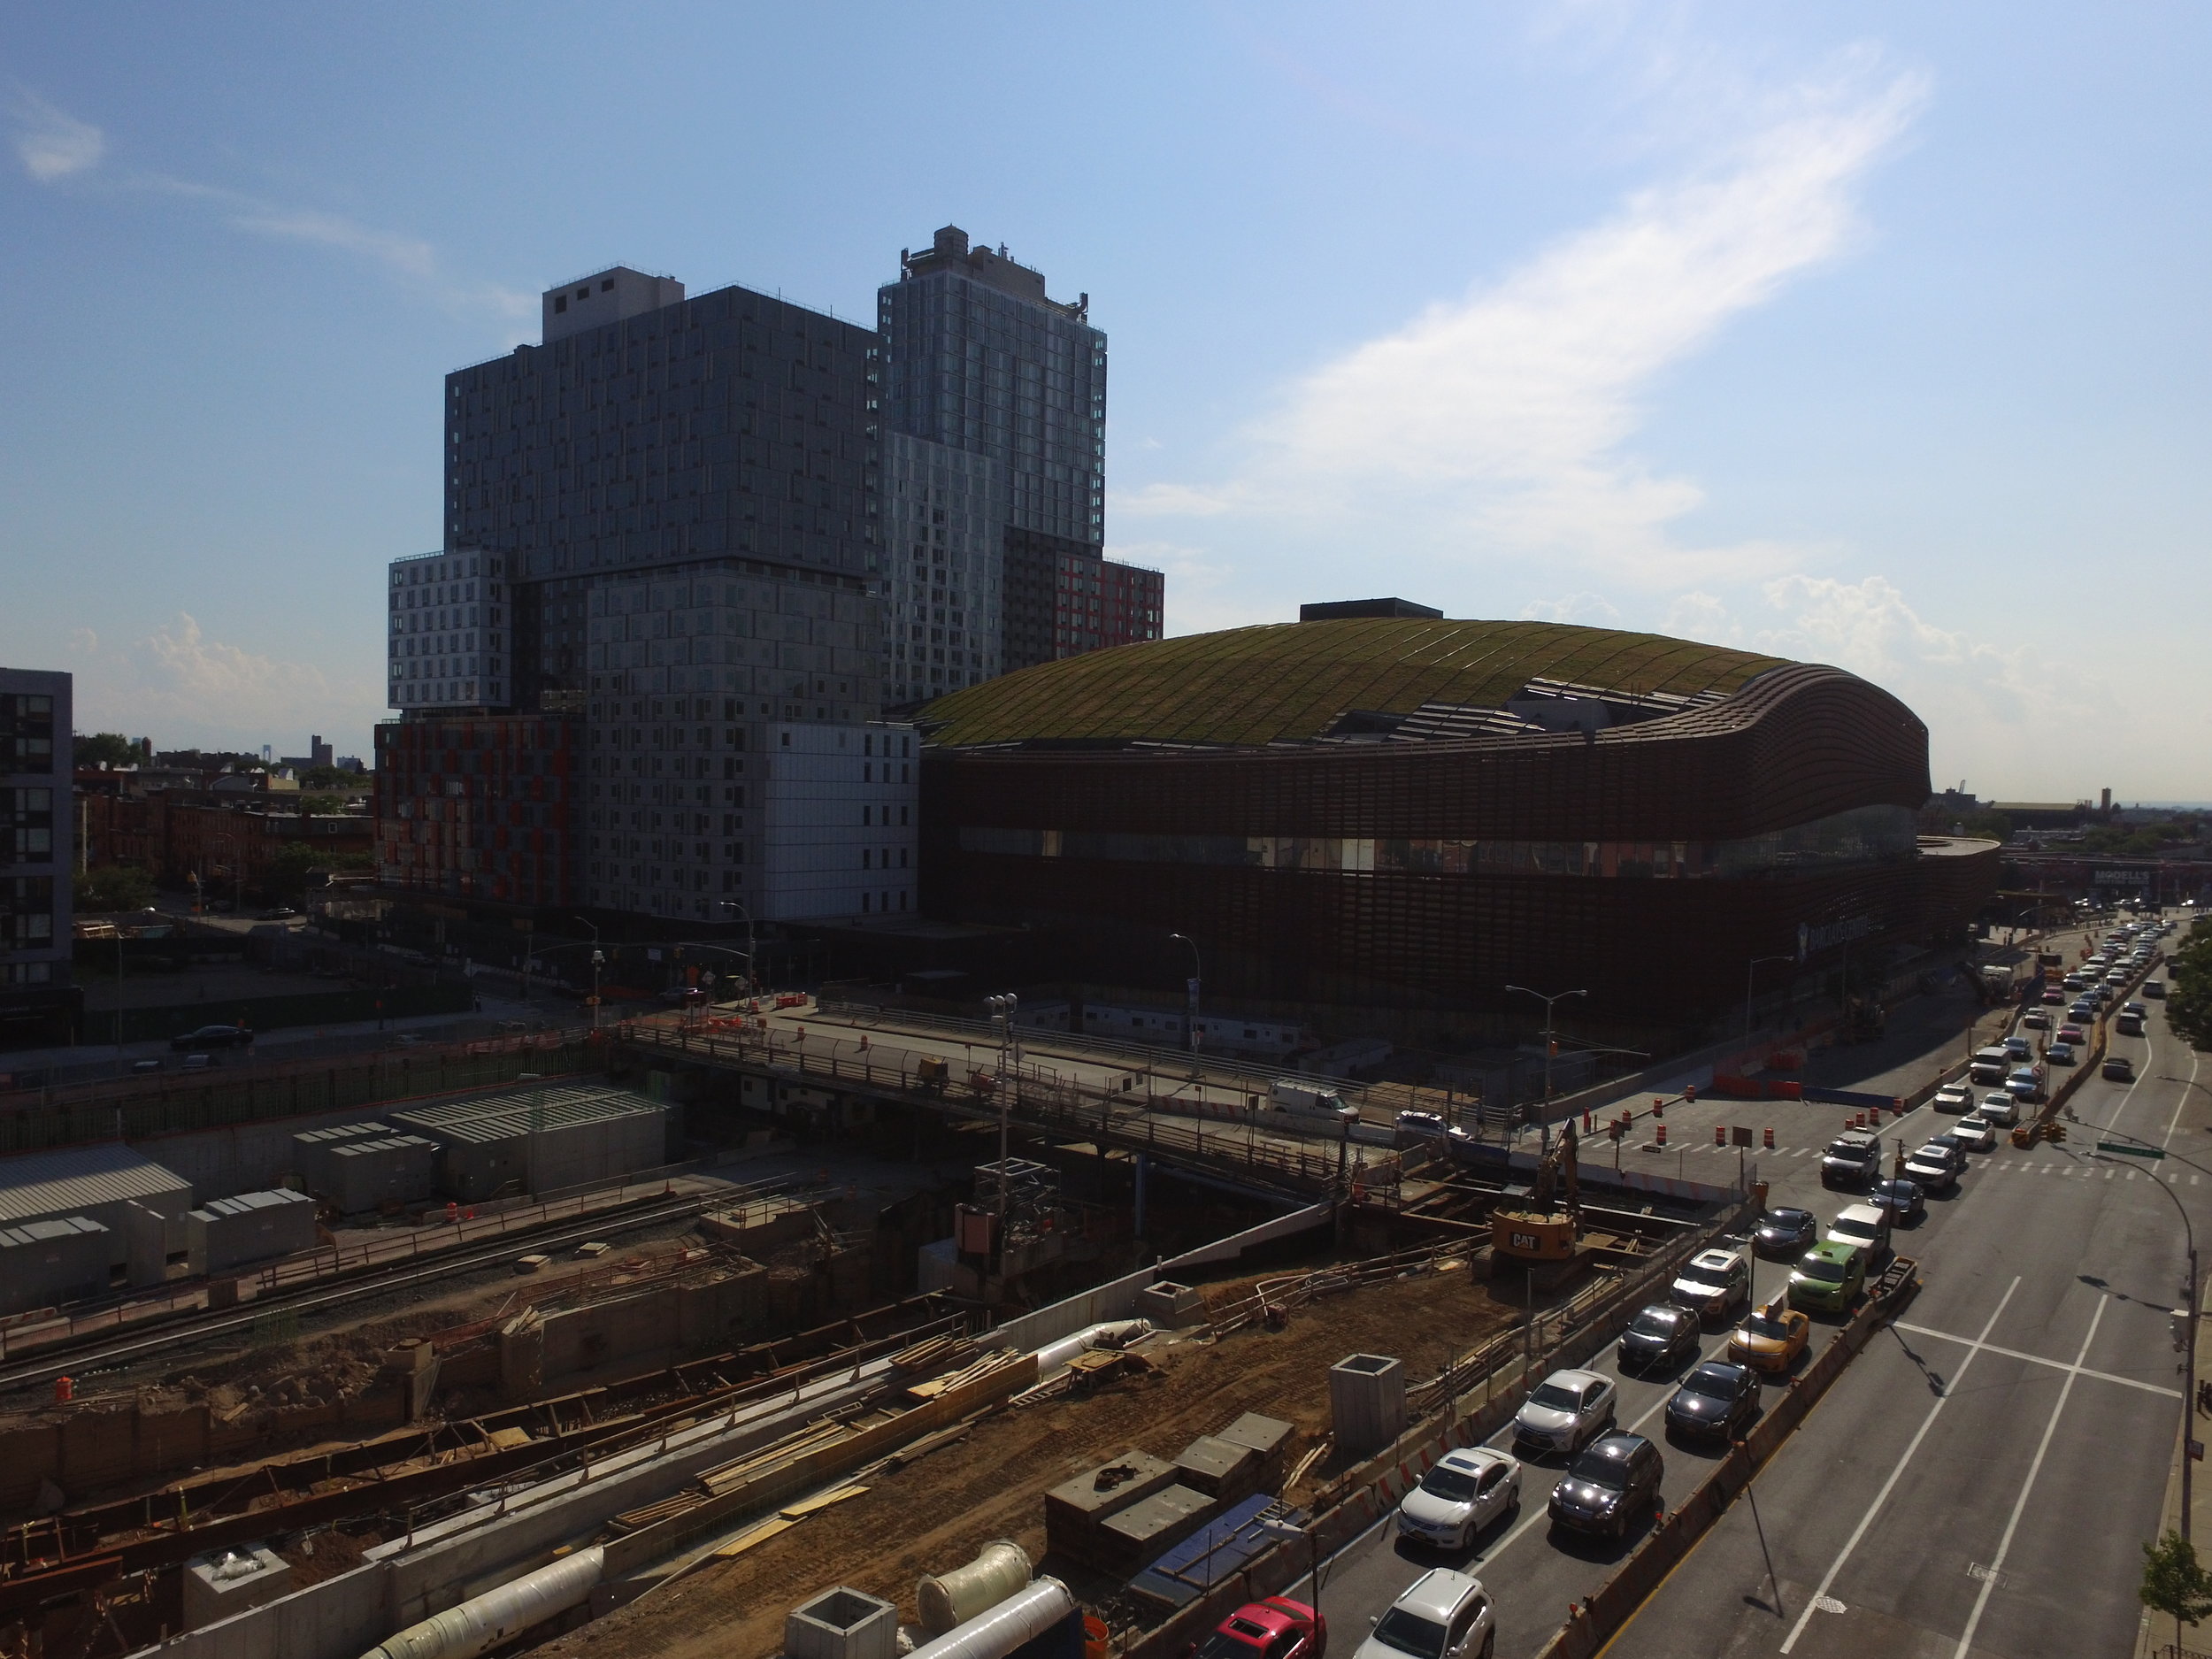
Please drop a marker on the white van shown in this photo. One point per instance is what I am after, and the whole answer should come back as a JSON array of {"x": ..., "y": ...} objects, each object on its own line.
[{"x": 1304, "y": 1099}]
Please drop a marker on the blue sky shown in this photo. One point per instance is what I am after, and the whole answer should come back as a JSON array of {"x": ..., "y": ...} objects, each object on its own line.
[{"x": 1874, "y": 337}]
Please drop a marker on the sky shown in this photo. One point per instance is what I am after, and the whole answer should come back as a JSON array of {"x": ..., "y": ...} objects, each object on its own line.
[{"x": 1871, "y": 336}]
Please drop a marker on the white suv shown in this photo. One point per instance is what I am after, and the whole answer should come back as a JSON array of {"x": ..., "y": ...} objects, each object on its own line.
[
  {"x": 1568, "y": 1410},
  {"x": 1442, "y": 1614},
  {"x": 1711, "y": 1283}
]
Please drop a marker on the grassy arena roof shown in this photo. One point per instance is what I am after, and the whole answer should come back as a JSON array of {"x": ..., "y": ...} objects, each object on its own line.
[{"x": 1291, "y": 681}]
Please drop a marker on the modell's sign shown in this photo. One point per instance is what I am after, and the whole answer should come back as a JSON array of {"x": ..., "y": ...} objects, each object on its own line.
[
  {"x": 1812, "y": 940},
  {"x": 2124, "y": 878}
]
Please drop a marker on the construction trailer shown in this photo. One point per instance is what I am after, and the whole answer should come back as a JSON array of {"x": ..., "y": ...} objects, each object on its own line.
[
  {"x": 227, "y": 1232},
  {"x": 365, "y": 1175},
  {"x": 541, "y": 1139},
  {"x": 96, "y": 1182},
  {"x": 44, "y": 1263},
  {"x": 313, "y": 1148}
]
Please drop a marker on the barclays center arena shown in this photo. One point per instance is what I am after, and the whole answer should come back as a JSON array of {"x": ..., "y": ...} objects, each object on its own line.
[{"x": 1382, "y": 807}]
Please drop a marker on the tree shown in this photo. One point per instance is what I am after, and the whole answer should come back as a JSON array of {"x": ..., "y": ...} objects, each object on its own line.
[
  {"x": 112, "y": 888},
  {"x": 111, "y": 747},
  {"x": 317, "y": 805},
  {"x": 2189, "y": 987},
  {"x": 2175, "y": 1582},
  {"x": 1995, "y": 825},
  {"x": 336, "y": 778}
]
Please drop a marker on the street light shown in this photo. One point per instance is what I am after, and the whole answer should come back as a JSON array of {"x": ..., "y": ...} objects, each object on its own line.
[
  {"x": 752, "y": 982},
  {"x": 1748, "y": 975},
  {"x": 598, "y": 961},
  {"x": 1543, "y": 1119},
  {"x": 1190, "y": 992}
]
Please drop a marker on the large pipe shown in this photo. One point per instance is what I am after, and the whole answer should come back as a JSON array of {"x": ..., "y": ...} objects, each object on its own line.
[
  {"x": 1053, "y": 1358},
  {"x": 994, "y": 1634},
  {"x": 484, "y": 1622},
  {"x": 949, "y": 1599}
]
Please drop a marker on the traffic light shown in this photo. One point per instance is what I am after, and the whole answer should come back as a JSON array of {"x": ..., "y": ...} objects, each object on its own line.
[
  {"x": 2054, "y": 1132},
  {"x": 2179, "y": 1321}
]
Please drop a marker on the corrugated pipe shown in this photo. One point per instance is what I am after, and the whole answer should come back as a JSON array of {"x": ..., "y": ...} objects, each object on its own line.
[
  {"x": 1053, "y": 1358},
  {"x": 994, "y": 1634},
  {"x": 484, "y": 1622}
]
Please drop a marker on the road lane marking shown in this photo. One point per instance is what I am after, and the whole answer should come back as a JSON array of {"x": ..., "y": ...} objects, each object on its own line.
[
  {"x": 2039, "y": 1359},
  {"x": 2172, "y": 1121},
  {"x": 1828, "y": 1580},
  {"x": 2020, "y": 1504}
]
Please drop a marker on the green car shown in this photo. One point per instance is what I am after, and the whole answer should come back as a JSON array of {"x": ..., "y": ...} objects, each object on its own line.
[{"x": 1828, "y": 1278}]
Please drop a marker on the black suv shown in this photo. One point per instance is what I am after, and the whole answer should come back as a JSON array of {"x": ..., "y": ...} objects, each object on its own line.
[
  {"x": 1659, "y": 1338},
  {"x": 1852, "y": 1157},
  {"x": 1715, "y": 1402},
  {"x": 1616, "y": 1479},
  {"x": 212, "y": 1037}
]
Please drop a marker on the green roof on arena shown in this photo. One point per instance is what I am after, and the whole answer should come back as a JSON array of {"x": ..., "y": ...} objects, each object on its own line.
[{"x": 1293, "y": 682}]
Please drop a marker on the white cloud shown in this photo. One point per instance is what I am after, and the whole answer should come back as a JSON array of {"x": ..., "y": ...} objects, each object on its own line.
[
  {"x": 53, "y": 143},
  {"x": 182, "y": 686},
  {"x": 1500, "y": 421},
  {"x": 1591, "y": 609}
]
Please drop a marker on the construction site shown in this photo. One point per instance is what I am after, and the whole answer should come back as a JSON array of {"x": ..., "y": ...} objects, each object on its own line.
[{"x": 698, "y": 1346}]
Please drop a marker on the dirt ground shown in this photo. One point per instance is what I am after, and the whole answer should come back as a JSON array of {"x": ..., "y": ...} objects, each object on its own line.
[{"x": 935, "y": 1514}]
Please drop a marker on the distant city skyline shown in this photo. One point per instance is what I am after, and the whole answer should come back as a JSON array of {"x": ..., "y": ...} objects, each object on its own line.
[{"x": 1873, "y": 341}]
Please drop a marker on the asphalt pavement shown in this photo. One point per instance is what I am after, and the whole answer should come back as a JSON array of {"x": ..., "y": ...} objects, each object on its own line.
[{"x": 1978, "y": 1481}]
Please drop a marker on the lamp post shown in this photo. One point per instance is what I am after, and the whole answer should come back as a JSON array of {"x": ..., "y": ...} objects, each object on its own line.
[
  {"x": 1543, "y": 1119},
  {"x": 2186, "y": 1340},
  {"x": 598, "y": 961},
  {"x": 1750, "y": 973},
  {"x": 752, "y": 983},
  {"x": 1002, "y": 1010},
  {"x": 1190, "y": 992}
]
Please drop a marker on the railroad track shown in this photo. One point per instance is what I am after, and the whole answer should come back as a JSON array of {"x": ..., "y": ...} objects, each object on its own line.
[{"x": 91, "y": 1359}]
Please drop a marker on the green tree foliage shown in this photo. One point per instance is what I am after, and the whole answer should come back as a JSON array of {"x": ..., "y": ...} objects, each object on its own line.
[
  {"x": 314, "y": 805},
  {"x": 2175, "y": 1582},
  {"x": 286, "y": 878},
  {"x": 335, "y": 778},
  {"x": 2189, "y": 987},
  {"x": 112, "y": 747},
  {"x": 112, "y": 888},
  {"x": 1995, "y": 825}
]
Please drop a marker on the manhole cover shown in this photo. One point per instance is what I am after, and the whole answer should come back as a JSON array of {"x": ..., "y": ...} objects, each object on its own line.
[
  {"x": 1828, "y": 1604},
  {"x": 1991, "y": 1575}
]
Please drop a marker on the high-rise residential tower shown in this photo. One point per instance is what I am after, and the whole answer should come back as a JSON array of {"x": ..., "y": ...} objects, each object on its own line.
[
  {"x": 39, "y": 1002},
  {"x": 661, "y": 560},
  {"x": 994, "y": 408}
]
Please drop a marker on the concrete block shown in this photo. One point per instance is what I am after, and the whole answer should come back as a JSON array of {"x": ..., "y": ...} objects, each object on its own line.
[
  {"x": 1218, "y": 1468},
  {"x": 1171, "y": 1306},
  {"x": 841, "y": 1624},
  {"x": 230, "y": 1581},
  {"x": 1367, "y": 1402}
]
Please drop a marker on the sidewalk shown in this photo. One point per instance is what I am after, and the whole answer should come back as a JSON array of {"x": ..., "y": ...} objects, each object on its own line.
[{"x": 2157, "y": 1632}]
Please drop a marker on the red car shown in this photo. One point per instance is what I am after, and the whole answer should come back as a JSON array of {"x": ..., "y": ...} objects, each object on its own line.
[{"x": 1277, "y": 1628}]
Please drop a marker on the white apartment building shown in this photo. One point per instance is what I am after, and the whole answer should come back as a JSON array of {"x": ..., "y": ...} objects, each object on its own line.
[{"x": 447, "y": 630}]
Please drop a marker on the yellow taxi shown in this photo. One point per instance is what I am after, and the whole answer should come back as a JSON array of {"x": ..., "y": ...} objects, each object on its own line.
[{"x": 1771, "y": 1339}]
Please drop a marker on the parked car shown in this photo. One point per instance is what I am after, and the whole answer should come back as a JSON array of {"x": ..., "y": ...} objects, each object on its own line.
[
  {"x": 1785, "y": 1231},
  {"x": 2119, "y": 1067},
  {"x": 209, "y": 1037},
  {"x": 1442, "y": 1614},
  {"x": 1460, "y": 1495},
  {"x": 1711, "y": 1283},
  {"x": 1771, "y": 1339},
  {"x": 1828, "y": 1278},
  {"x": 146, "y": 1066},
  {"x": 1278, "y": 1628},
  {"x": 1415, "y": 1127},
  {"x": 1609, "y": 1486},
  {"x": 1715, "y": 1401},
  {"x": 1565, "y": 1411},
  {"x": 1658, "y": 1338}
]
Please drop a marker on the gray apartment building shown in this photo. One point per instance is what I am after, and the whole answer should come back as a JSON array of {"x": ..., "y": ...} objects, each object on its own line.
[{"x": 39, "y": 1003}]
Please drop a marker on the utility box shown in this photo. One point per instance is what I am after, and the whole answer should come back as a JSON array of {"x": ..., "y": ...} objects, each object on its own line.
[
  {"x": 365, "y": 1175},
  {"x": 227, "y": 1232},
  {"x": 841, "y": 1624},
  {"x": 230, "y": 1581},
  {"x": 44, "y": 1263},
  {"x": 1367, "y": 1402}
]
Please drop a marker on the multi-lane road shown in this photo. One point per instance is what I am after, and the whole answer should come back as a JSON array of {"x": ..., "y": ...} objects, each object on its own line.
[{"x": 1980, "y": 1478}]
